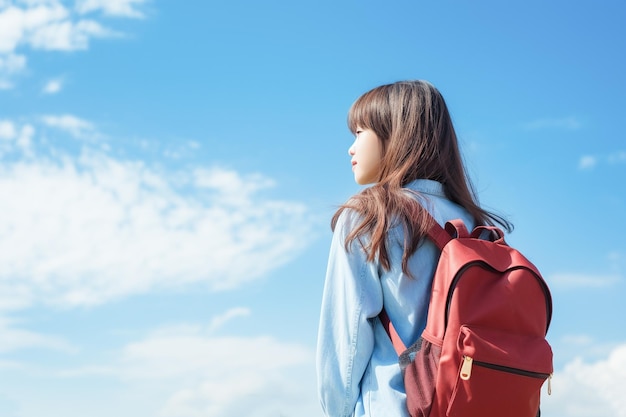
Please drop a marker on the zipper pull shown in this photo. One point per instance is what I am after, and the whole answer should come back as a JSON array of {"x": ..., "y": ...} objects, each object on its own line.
[
  {"x": 550, "y": 384},
  {"x": 466, "y": 368}
]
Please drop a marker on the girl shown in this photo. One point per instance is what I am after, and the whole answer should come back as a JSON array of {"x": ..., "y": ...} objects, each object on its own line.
[{"x": 405, "y": 145}]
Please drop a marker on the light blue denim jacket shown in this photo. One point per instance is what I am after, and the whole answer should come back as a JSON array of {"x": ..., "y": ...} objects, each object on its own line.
[{"x": 357, "y": 366}]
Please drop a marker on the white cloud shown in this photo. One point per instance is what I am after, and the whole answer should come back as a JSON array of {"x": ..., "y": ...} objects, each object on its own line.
[
  {"x": 615, "y": 256},
  {"x": 219, "y": 321},
  {"x": 7, "y": 130},
  {"x": 232, "y": 188},
  {"x": 10, "y": 28},
  {"x": 199, "y": 375},
  {"x": 578, "y": 340},
  {"x": 19, "y": 25},
  {"x": 15, "y": 339},
  {"x": 53, "y": 86},
  {"x": 255, "y": 393},
  {"x": 10, "y": 64},
  {"x": 12, "y": 365},
  {"x": 85, "y": 230},
  {"x": 49, "y": 25},
  {"x": 24, "y": 139},
  {"x": 124, "y": 8},
  {"x": 573, "y": 280},
  {"x": 184, "y": 352},
  {"x": 591, "y": 161},
  {"x": 589, "y": 389},
  {"x": 618, "y": 157},
  {"x": 77, "y": 127},
  {"x": 587, "y": 162},
  {"x": 67, "y": 36},
  {"x": 567, "y": 123},
  {"x": 14, "y": 137}
]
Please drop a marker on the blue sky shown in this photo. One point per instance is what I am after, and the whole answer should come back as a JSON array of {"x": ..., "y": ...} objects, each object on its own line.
[{"x": 168, "y": 171}]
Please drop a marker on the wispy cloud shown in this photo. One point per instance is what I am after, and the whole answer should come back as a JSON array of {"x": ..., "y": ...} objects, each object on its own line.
[
  {"x": 52, "y": 26},
  {"x": 10, "y": 65},
  {"x": 48, "y": 26},
  {"x": 591, "y": 389},
  {"x": 201, "y": 375},
  {"x": 567, "y": 123},
  {"x": 77, "y": 127},
  {"x": 578, "y": 340},
  {"x": 122, "y": 8},
  {"x": 588, "y": 162},
  {"x": 618, "y": 157},
  {"x": 573, "y": 280},
  {"x": 219, "y": 321},
  {"x": 88, "y": 228},
  {"x": 53, "y": 86},
  {"x": 7, "y": 130},
  {"x": 14, "y": 137},
  {"x": 67, "y": 35},
  {"x": 14, "y": 339}
]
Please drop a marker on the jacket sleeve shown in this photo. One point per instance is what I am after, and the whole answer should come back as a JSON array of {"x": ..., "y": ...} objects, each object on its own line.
[{"x": 352, "y": 297}]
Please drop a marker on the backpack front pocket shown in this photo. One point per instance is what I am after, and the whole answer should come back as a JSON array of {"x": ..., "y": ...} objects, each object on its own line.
[{"x": 499, "y": 372}]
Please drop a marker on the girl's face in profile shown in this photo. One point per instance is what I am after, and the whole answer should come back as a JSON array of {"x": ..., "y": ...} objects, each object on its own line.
[{"x": 366, "y": 153}]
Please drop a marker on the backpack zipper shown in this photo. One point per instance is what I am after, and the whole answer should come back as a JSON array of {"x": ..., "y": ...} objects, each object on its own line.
[{"x": 468, "y": 362}]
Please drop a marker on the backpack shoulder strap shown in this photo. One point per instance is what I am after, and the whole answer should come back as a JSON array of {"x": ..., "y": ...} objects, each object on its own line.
[
  {"x": 398, "y": 344},
  {"x": 441, "y": 237}
]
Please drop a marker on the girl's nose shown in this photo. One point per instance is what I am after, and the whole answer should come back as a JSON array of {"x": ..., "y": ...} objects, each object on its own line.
[{"x": 351, "y": 150}]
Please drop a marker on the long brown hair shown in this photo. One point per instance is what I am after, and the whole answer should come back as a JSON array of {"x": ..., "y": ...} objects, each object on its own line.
[{"x": 412, "y": 121}]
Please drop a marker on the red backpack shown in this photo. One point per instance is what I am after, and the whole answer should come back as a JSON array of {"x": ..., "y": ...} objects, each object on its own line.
[{"x": 483, "y": 352}]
